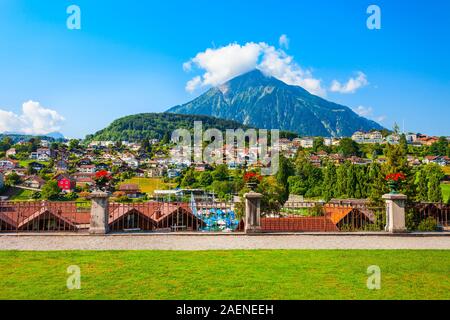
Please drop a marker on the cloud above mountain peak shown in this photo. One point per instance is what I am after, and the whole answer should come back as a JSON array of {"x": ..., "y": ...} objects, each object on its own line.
[
  {"x": 218, "y": 65},
  {"x": 224, "y": 63}
]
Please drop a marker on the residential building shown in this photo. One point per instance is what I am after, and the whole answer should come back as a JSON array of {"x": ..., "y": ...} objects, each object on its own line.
[
  {"x": 367, "y": 137},
  {"x": 173, "y": 173},
  {"x": 440, "y": 160},
  {"x": 66, "y": 183},
  {"x": 307, "y": 143},
  {"x": 131, "y": 190},
  {"x": 393, "y": 139},
  {"x": 36, "y": 166},
  {"x": 155, "y": 172},
  {"x": 11, "y": 153},
  {"x": 45, "y": 143},
  {"x": 8, "y": 164},
  {"x": 90, "y": 168},
  {"x": 34, "y": 182},
  {"x": 41, "y": 154},
  {"x": 61, "y": 165}
]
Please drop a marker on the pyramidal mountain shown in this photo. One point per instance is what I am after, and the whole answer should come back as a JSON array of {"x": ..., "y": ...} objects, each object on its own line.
[{"x": 268, "y": 103}]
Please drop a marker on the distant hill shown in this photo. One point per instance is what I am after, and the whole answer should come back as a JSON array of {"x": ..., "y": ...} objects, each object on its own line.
[
  {"x": 156, "y": 125},
  {"x": 266, "y": 102},
  {"x": 17, "y": 137}
]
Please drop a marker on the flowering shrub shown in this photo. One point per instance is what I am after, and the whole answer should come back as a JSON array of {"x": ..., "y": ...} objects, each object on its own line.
[
  {"x": 395, "y": 177},
  {"x": 102, "y": 177},
  {"x": 252, "y": 177},
  {"x": 394, "y": 181}
]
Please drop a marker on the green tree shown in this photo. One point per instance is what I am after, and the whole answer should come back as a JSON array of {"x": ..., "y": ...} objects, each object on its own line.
[
  {"x": 377, "y": 184},
  {"x": 221, "y": 173},
  {"x": 205, "y": 179},
  {"x": 422, "y": 185},
  {"x": 434, "y": 187},
  {"x": 403, "y": 144},
  {"x": 50, "y": 190},
  {"x": 396, "y": 159},
  {"x": 188, "y": 179},
  {"x": 146, "y": 146},
  {"x": 12, "y": 179},
  {"x": 319, "y": 144},
  {"x": 272, "y": 191},
  {"x": 348, "y": 147},
  {"x": 341, "y": 184},
  {"x": 439, "y": 148},
  {"x": 74, "y": 144},
  {"x": 329, "y": 181},
  {"x": 285, "y": 170}
]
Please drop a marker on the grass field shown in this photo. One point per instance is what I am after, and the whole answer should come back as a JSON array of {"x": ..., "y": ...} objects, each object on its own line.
[
  {"x": 17, "y": 194},
  {"x": 25, "y": 163},
  {"x": 148, "y": 185},
  {"x": 259, "y": 274},
  {"x": 445, "y": 191}
]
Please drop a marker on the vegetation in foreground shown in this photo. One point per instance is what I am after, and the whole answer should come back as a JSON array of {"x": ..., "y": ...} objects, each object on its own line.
[
  {"x": 259, "y": 274},
  {"x": 446, "y": 192}
]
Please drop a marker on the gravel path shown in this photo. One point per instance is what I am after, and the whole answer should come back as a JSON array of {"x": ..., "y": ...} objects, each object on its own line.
[{"x": 219, "y": 242}]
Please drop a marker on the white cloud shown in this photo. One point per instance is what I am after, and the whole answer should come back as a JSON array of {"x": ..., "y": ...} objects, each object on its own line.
[
  {"x": 276, "y": 63},
  {"x": 352, "y": 84},
  {"x": 367, "y": 112},
  {"x": 35, "y": 119},
  {"x": 222, "y": 64},
  {"x": 364, "y": 111},
  {"x": 284, "y": 41}
]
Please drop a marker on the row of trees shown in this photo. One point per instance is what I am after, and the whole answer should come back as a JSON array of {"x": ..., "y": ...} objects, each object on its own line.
[{"x": 301, "y": 177}]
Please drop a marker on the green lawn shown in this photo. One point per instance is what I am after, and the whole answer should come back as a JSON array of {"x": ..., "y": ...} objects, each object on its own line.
[
  {"x": 445, "y": 191},
  {"x": 259, "y": 274},
  {"x": 17, "y": 194},
  {"x": 25, "y": 163},
  {"x": 148, "y": 185}
]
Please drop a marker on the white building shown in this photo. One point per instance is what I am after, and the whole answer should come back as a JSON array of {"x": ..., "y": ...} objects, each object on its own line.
[
  {"x": 41, "y": 154},
  {"x": 367, "y": 137},
  {"x": 11, "y": 152},
  {"x": 307, "y": 142}
]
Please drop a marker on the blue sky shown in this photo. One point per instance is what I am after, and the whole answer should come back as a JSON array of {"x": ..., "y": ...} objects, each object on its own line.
[{"x": 128, "y": 56}]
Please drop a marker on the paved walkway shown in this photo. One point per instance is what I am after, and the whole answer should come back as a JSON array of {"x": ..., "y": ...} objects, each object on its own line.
[{"x": 219, "y": 242}]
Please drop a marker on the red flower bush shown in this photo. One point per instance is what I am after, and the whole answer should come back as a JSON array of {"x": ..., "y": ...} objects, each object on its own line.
[
  {"x": 396, "y": 177},
  {"x": 252, "y": 177},
  {"x": 102, "y": 177},
  {"x": 102, "y": 174}
]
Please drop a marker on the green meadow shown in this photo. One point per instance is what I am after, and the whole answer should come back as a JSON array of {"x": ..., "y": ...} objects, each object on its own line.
[{"x": 258, "y": 274}]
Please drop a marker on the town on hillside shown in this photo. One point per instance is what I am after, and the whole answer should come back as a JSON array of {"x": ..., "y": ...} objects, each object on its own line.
[{"x": 311, "y": 168}]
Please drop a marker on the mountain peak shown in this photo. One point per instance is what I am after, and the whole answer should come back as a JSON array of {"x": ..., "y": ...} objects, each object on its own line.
[
  {"x": 268, "y": 103},
  {"x": 254, "y": 77}
]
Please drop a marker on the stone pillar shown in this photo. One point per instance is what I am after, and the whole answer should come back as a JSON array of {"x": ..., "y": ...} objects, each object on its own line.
[
  {"x": 99, "y": 213},
  {"x": 395, "y": 212},
  {"x": 252, "y": 212}
]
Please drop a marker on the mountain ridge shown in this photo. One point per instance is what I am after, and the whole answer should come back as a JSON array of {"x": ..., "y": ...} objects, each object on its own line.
[{"x": 268, "y": 103}]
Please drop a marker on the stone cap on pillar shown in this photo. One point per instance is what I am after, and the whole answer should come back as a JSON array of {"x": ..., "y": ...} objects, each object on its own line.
[
  {"x": 253, "y": 195},
  {"x": 99, "y": 194},
  {"x": 394, "y": 196}
]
